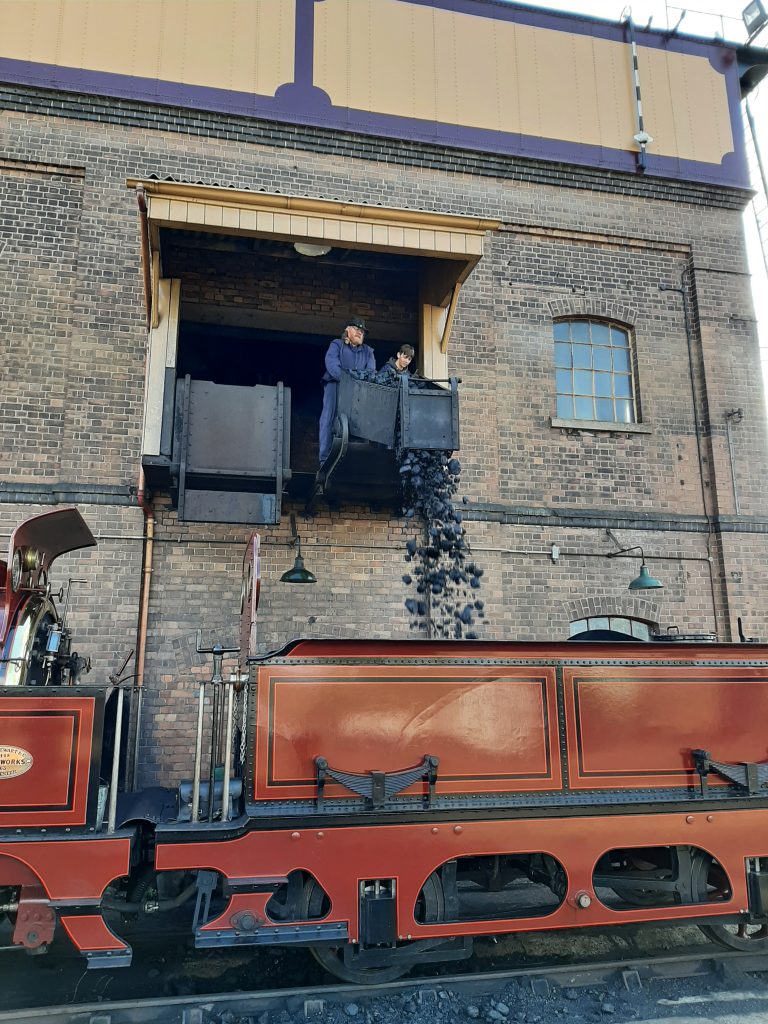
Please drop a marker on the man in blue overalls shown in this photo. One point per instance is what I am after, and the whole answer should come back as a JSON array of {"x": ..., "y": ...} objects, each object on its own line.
[{"x": 345, "y": 353}]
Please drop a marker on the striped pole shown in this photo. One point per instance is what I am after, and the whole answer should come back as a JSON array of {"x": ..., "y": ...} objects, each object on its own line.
[{"x": 642, "y": 138}]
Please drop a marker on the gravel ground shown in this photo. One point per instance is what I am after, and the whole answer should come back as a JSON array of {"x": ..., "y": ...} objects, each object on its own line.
[
  {"x": 726, "y": 997},
  {"x": 167, "y": 967}
]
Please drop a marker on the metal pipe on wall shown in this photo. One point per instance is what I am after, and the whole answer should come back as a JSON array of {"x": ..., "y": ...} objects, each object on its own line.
[
  {"x": 198, "y": 754},
  {"x": 112, "y": 814},
  {"x": 149, "y": 516},
  {"x": 684, "y": 292},
  {"x": 228, "y": 747},
  {"x": 733, "y": 416}
]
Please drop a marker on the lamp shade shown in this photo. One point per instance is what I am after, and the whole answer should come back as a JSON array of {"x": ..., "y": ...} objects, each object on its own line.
[
  {"x": 311, "y": 249},
  {"x": 645, "y": 581},
  {"x": 298, "y": 574}
]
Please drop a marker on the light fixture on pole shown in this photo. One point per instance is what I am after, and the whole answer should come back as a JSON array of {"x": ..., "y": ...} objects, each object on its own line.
[
  {"x": 755, "y": 18},
  {"x": 298, "y": 574},
  {"x": 644, "y": 581}
]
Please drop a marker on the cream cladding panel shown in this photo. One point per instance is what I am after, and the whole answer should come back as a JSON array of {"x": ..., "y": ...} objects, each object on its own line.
[
  {"x": 239, "y": 45},
  {"x": 412, "y": 61}
]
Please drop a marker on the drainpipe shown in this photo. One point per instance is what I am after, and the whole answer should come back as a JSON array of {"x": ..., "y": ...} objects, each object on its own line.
[
  {"x": 146, "y": 507},
  {"x": 141, "y": 642},
  {"x": 684, "y": 292}
]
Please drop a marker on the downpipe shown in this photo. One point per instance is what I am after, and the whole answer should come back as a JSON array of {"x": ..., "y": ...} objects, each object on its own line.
[{"x": 684, "y": 292}]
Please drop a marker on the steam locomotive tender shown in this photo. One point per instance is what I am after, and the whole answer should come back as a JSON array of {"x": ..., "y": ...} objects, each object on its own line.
[{"x": 381, "y": 803}]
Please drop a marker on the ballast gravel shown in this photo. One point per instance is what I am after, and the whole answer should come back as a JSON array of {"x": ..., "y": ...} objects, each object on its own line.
[{"x": 723, "y": 998}]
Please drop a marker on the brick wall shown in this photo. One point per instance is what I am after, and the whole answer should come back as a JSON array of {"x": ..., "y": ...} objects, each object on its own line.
[
  {"x": 102, "y": 610},
  {"x": 574, "y": 242},
  {"x": 283, "y": 285}
]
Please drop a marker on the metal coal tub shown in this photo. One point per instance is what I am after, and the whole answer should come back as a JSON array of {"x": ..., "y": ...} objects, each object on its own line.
[
  {"x": 370, "y": 409},
  {"x": 362, "y": 466},
  {"x": 429, "y": 413}
]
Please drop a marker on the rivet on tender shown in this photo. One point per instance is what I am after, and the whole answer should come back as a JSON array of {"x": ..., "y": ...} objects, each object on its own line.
[
  {"x": 458, "y": 829},
  {"x": 435, "y": 830},
  {"x": 689, "y": 819},
  {"x": 295, "y": 835}
]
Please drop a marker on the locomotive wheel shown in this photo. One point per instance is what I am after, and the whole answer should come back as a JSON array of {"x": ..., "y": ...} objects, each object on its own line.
[
  {"x": 430, "y": 909},
  {"x": 743, "y": 936},
  {"x": 704, "y": 880}
]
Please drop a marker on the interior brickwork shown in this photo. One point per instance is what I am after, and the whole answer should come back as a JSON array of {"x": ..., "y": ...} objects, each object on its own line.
[
  {"x": 275, "y": 284},
  {"x": 75, "y": 333}
]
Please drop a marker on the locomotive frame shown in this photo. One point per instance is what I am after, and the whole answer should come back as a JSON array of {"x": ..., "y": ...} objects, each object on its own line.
[{"x": 383, "y": 802}]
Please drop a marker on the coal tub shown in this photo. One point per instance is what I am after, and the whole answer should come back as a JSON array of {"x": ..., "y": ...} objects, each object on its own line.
[
  {"x": 361, "y": 465},
  {"x": 428, "y": 412}
]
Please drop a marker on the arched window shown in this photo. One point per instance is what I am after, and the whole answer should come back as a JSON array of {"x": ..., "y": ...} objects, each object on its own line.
[
  {"x": 609, "y": 627},
  {"x": 594, "y": 371}
]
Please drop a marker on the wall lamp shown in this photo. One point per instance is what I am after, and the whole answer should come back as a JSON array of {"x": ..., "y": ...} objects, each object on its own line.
[
  {"x": 298, "y": 574},
  {"x": 644, "y": 581}
]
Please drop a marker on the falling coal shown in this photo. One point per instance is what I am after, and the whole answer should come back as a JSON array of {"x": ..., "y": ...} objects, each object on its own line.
[
  {"x": 445, "y": 577},
  {"x": 442, "y": 572}
]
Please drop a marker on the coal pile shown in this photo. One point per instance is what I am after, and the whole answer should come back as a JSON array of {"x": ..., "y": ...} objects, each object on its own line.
[{"x": 446, "y": 581}]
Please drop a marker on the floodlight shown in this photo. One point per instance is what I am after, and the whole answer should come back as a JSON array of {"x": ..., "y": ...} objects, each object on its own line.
[{"x": 755, "y": 18}]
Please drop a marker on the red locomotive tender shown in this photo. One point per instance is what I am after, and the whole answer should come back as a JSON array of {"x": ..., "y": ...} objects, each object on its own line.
[{"x": 381, "y": 803}]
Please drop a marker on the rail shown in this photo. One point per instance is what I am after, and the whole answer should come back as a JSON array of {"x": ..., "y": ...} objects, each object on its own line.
[{"x": 631, "y": 972}]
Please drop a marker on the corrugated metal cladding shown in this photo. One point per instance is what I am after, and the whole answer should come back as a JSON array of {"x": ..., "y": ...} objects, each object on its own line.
[{"x": 460, "y": 72}]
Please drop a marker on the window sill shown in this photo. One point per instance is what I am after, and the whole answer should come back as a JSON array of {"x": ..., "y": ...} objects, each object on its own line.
[{"x": 603, "y": 425}]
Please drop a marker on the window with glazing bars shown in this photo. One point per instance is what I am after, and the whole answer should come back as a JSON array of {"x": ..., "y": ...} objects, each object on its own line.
[
  {"x": 617, "y": 624},
  {"x": 593, "y": 372}
]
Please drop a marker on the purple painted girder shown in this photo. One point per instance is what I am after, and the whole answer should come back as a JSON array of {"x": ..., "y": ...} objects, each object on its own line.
[{"x": 300, "y": 102}]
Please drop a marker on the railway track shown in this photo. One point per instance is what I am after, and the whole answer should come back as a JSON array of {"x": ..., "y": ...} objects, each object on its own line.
[{"x": 633, "y": 972}]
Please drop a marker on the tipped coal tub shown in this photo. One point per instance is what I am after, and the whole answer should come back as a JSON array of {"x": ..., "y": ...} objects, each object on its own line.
[{"x": 377, "y": 421}]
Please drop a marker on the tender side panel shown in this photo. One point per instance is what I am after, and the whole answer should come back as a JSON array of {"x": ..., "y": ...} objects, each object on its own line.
[
  {"x": 73, "y": 871},
  {"x": 48, "y": 743},
  {"x": 494, "y": 728},
  {"x": 338, "y": 857},
  {"x": 631, "y": 727}
]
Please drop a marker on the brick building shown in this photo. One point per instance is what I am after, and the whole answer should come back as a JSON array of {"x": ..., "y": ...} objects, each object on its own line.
[{"x": 474, "y": 172}]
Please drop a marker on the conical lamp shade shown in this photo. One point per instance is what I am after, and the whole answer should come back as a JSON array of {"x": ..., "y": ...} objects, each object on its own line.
[
  {"x": 298, "y": 574},
  {"x": 645, "y": 581}
]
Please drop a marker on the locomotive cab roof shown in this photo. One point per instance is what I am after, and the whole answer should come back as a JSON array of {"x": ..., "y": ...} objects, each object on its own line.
[{"x": 52, "y": 534}]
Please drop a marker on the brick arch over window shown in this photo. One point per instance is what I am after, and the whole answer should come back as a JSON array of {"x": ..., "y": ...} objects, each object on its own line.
[
  {"x": 629, "y": 607},
  {"x": 596, "y": 308}
]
